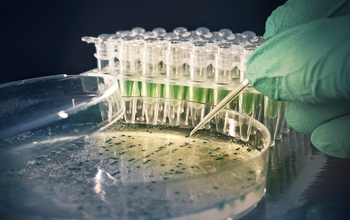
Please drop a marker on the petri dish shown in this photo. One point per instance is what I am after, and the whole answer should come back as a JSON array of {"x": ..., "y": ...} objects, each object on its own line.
[
  {"x": 145, "y": 166},
  {"x": 42, "y": 114}
]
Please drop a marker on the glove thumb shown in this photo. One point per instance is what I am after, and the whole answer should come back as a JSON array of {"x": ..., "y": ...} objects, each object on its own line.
[{"x": 332, "y": 137}]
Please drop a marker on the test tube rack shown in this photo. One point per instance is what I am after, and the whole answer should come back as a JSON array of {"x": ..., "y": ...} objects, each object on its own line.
[{"x": 199, "y": 66}]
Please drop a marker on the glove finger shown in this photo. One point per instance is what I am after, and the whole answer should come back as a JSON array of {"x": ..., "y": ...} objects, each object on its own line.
[
  {"x": 297, "y": 12},
  {"x": 305, "y": 118},
  {"x": 332, "y": 137},
  {"x": 309, "y": 63}
]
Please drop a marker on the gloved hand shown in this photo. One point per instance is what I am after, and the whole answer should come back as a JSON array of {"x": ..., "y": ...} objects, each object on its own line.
[{"x": 306, "y": 61}]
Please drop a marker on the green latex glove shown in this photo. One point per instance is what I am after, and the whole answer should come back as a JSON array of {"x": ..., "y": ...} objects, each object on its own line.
[{"x": 306, "y": 61}]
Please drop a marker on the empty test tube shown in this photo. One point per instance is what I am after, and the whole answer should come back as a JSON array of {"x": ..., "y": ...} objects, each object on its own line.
[
  {"x": 198, "y": 62},
  {"x": 174, "y": 59},
  {"x": 186, "y": 47},
  {"x": 127, "y": 56},
  {"x": 247, "y": 51},
  {"x": 151, "y": 58},
  {"x": 138, "y": 45},
  {"x": 114, "y": 42},
  {"x": 163, "y": 46},
  {"x": 104, "y": 51},
  {"x": 224, "y": 64},
  {"x": 211, "y": 49}
]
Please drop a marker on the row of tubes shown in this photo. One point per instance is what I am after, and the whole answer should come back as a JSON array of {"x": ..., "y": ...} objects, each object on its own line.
[{"x": 199, "y": 55}]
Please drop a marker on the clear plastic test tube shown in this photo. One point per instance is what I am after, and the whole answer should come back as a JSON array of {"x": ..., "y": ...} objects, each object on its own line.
[
  {"x": 104, "y": 51},
  {"x": 211, "y": 50},
  {"x": 151, "y": 58},
  {"x": 174, "y": 60},
  {"x": 224, "y": 64},
  {"x": 126, "y": 55},
  {"x": 114, "y": 43},
  {"x": 186, "y": 47},
  {"x": 198, "y": 63},
  {"x": 247, "y": 51},
  {"x": 163, "y": 46},
  {"x": 138, "y": 45},
  {"x": 237, "y": 56},
  {"x": 248, "y": 98}
]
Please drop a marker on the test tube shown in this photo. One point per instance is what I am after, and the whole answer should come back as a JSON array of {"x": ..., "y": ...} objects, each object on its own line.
[
  {"x": 250, "y": 99},
  {"x": 126, "y": 55},
  {"x": 211, "y": 50},
  {"x": 198, "y": 63},
  {"x": 104, "y": 52},
  {"x": 150, "y": 60},
  {"x": 138, "y": 45},
  {"x": 247, "y": 51},
  {"x": 186, "y": 47},
  {"x": 237, "y": 51},
  {"x": 272, "y": 117},
  {"x": 224, "y": 63},
  {"x": 163, "y": 46},
  {"x": 174, "y": 60},
  {"x": 114, "y": 42}
]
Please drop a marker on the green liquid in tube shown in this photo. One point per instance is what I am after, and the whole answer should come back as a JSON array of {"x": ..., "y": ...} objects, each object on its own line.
[
  {"x": 248, "y": 100},
  {"x": 139, "y": 88},
  {"x": 162, "y": 91},
  {"x": 152, "y": 90},
  {"x": 186, "y": 93},
  {"x": 222, "y": 94},
  {"x": 128, "y": 87},
  {"x": 273, "y": 107},
  {"x": 259, "y": 99},
  {"x": 210, "y": 96},
  {"x": 175, "y": 92},
  {"x": 199, "y": 94}
]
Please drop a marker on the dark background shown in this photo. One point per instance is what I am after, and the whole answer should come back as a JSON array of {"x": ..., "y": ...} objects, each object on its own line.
[{"x": 41, "y": 38}]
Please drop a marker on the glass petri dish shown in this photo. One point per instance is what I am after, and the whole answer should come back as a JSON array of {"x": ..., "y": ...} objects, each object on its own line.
[
  {"x": 145, "y": 166},
  {"x": 41, "y": 114}
]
